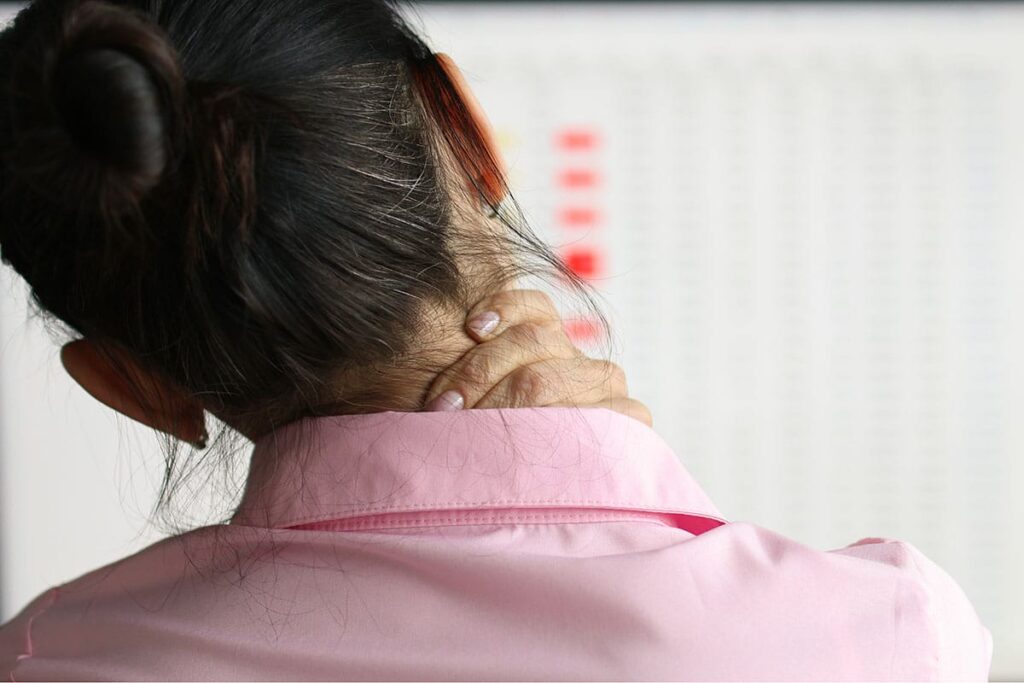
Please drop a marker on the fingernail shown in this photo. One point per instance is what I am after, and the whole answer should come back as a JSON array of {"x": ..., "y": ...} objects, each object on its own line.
[
  {"x": 449, "y": 400},
  {"x": 484, "y": 323}
]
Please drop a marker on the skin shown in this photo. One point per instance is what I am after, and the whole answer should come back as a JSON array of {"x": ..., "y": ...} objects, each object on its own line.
[{"x": 526, "y": 360}]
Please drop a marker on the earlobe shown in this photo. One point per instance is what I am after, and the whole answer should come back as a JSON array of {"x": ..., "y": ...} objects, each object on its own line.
[{"x": 148, "y": 399}]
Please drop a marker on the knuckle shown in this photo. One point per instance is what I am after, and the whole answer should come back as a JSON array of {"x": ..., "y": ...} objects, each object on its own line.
[
  {"x": 494, "y": 302},
  {"x": 518, "y": 304},
  {"x": 545, "y": 306},
  {"x": 554, "y": 330},
  {"x": 556, "y": 327},
  {"x": 526, "y": 387},
  {"x": 503, "y": 301},
  {"x": 505, "y": 296},
  {"x": 533, "y": 300},
  {"x": 542, "y": 300},
  {"x": 478, "y": 372},
  {"x": 532, "y": 334}
]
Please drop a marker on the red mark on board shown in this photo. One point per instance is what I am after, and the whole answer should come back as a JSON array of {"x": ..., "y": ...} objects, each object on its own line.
[
  {"x": 583, "y": 261},
  {"x": 577, "y": 139},
  {"x": 575, "y": 217},
  {"x": 575, "y": 178}
]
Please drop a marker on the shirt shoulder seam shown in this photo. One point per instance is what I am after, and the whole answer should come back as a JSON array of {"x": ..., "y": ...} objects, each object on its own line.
[
  {"x": 926, "y": 598},
  {"x": 29, "y": 644}
]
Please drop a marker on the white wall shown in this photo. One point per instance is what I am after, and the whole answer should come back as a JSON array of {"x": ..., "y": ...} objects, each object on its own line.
[
  {"x": 811, "y": 243},
  {"x": 75, "y": 483}
]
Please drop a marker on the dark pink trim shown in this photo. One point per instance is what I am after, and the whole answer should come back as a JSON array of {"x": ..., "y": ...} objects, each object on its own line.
[{"x": 695, "y": 524}]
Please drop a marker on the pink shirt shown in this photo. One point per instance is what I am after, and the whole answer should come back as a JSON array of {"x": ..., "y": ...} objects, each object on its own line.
[{"x": 498, "y": 544}]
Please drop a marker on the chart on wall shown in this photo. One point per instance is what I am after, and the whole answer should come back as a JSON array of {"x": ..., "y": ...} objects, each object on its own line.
[
  {"x": 804, "y": 223},
  {"x": 807, "y": 223}
]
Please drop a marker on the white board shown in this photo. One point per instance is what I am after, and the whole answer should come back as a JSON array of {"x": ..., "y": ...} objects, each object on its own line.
[{"x": 807, "y": 221}]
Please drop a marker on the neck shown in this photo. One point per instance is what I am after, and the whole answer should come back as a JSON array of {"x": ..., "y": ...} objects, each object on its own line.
[{"x": 400, "y": 384}]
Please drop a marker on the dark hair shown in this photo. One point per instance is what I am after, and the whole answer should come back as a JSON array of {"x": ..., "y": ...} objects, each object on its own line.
[{"x": 249, "y": 196}]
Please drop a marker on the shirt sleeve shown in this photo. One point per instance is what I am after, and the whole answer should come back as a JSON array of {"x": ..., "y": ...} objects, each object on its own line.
[
  {"x": 16, "y": 635},
  {"x": 943, "y": 637}
]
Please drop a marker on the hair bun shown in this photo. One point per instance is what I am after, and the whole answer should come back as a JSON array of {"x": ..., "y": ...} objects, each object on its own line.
[
  {"x": 108, "y": 104},
  {"x": 96, "y": 126}
]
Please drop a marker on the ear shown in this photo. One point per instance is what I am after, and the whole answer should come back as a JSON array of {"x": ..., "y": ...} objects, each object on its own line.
[
  {"x": 492, "y": 186},
  {"x": 148, "y": 398}
]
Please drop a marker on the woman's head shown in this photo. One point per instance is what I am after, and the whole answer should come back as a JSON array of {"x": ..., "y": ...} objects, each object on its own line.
[
  {"x": 252, "y": 201},
  {"x": 258, "y": 208}
]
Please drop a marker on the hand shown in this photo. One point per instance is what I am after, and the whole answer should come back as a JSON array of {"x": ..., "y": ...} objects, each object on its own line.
[{"x": 525, "y": 358}]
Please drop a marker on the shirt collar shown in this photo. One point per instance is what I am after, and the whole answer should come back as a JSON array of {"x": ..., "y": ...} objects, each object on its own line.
[{"x": 348, "y": 466}]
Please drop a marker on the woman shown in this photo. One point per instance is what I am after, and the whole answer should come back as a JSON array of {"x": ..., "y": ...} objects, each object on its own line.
[{"x": 283, "y": 214}]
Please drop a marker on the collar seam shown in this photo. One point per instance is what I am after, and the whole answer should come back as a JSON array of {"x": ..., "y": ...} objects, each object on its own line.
[
  {"x": 484, "y": 517},
  {"x": 367, "y": 511}
]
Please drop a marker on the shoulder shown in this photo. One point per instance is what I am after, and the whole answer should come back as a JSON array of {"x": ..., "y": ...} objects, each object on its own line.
[
  {"x": 941, "y": 624},
  {"x": 16, "y": 635},
  {"x": 878, "y": 598},
  {"x": 117, "y": 603}
]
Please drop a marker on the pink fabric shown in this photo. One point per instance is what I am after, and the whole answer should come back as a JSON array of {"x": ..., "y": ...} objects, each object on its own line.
[{"x": 498, "y": 544}]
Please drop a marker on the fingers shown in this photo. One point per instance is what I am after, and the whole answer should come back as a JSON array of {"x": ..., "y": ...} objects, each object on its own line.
[
  {"x": 554, "y": 381},
  {"x": 526, "y": 358},
  {"x": 510, "y": 307},
  {"x": 484, "y": 367},
  {"x": 625, "y": 405}
]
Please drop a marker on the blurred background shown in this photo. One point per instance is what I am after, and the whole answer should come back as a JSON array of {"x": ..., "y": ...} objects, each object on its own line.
[{"x": 806, "y": 223}]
